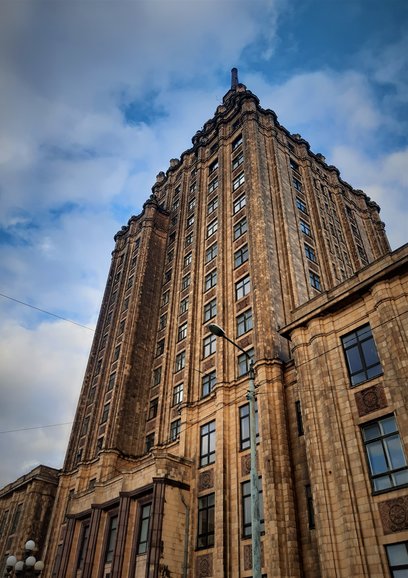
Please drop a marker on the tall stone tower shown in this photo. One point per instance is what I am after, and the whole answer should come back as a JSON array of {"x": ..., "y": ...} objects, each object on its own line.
[{"x": 248, "y": 225}]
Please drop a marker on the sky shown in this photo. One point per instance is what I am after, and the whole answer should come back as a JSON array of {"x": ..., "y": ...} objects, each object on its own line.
[{"x": 96, "y": 96}]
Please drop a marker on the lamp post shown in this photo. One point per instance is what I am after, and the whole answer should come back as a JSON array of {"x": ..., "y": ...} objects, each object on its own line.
[
  {"x": 28, "y": 566},
  {"x": 255, "y": 518}
]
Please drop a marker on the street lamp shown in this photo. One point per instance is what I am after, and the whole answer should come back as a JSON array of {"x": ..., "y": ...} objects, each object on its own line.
[
  {"x": 29, "y": 566},
  {"x": 255, "y": 518}
]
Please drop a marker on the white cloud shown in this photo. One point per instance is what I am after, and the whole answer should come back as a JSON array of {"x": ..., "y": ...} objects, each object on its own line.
[{"x": 42, "y": 370}]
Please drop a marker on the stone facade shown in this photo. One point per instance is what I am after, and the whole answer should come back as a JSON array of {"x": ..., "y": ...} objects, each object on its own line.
[
  {"x": 252, "y": 230},
  {"x": 25, "y": 510}
]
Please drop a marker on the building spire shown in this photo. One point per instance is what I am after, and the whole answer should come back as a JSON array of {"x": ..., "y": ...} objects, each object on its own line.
[{"x": 234, "y": 78}]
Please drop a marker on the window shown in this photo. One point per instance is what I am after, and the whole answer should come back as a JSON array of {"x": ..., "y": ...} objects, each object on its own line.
[
  {"x": 189, "y": 239},
  {"x": 207, "y": 443},
  {"x": 190, "y": 220},
  {"x": 212, "y": 205},
  {"x": 193, "y": 187},
  {"x": 361, "y": 355},
  {"x": 83, "y": 544},
  {"x": 174, "y": 221},
  {"x": 154, "y": 404},
  {"x": 85, "y": 425},
  {"x": 242, "y": 287},
  {"x": 182, "y": 332},
  {"x": 16, "y": 518},
  {"x": 157, "y": 376},
  {"x": 191, "y": 204},
  {"x": 244, "y": 426},
  {"x": 238, "y": 181},
  {"x": 162, "y": 321},
  {"x": 213, "y": 167},
  {"x": 246, "y": 508},
  {"x": 111, "y": 541},
  {"x": 211, "y": 253},
  {"x": 112, "y": 379},
  {"x": 126, "y": 303},
  {"x": 184, "y": 305},
  {"x": 398, "y": 559},
  {"x": 243, "y": 362},
  {"x": 206, "y": 521},
  {"x": 160, "y": 347},
  {"x": 121, "y": 327},
  {"x": 165, "y": 298},
  {"x": 144, "y": 528},
  {"x": 213, "y": 185},
  {"x": 239, "y": 203},
  {"x": 99, "y": 444},
  {"x": 310, "y": 508},
  {"x": 177, "y": 394},
  {"x": 386, "y": 458},
  {"x": 315, "y": 280},
  {"x": 149, "y": 441},
  {"x": 130, "y": 282},
  {"x": 299, "y": 419},
  {"x": 213, "y": 148},
  {"x": 209, "y": 345},
  {"x": 210, "y": 280},
  {"x": 244, "y": 322},
  {"x": 172, "y": 237},
  {"x": 105, "y": 413},
  {"x": 208, "y": 383},
  {"x": 304, "y": 227},
  {"x": 293, "y": 165},
  {"x": 297, "y": 184},
  {"x": 180, "y": 360},
  {"x": 237, "y": 142},
  {"x": 301, "y": 205},
  {"x": 210, "y": 310},
  {"x": 175, "y": 428},
  {"x": 176, "y": 204},
  {"x": 240, "y": 228},
  {"x": 185, "y": 282},
  {"x": 241, "y": 256},
  {"x": 310, "y": 253},
  {"x": 237, "y": 161},
  {"x": 212, "y": 228}
]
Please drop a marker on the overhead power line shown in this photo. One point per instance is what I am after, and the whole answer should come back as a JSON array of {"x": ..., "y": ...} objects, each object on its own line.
[
  {"x": 47, "y": 312},
  {"x": 36, "y": 427}
]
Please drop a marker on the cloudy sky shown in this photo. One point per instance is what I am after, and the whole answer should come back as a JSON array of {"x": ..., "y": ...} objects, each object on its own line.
[{"x": 97, "y": 95}]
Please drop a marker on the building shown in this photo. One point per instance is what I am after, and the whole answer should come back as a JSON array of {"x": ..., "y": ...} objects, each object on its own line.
[
  {"x": 252, "y": 230},
  {"x": 25, "y": 509}
]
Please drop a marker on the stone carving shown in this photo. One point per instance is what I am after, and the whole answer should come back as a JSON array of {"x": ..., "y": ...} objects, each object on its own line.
[
  {"x": 394, "y": 515},
  {"x": 370, "y": 399},
  {"x": 245, "y": 465},
  {"x": 204, "y": 566},
  {"x": 248, "y": 556},
  {"x": 206, "y": 480}
]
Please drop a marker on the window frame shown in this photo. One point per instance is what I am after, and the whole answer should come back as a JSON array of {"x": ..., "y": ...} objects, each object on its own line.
[
  {"x": 207, "y": 444},
  {"x": 210, "y": 280},
  {"x": 242, "y": 287},
  {"x": 240, "y": 228},
  {"x": 144, "y": 528},
  {"x": 366, "y": 369},
  {"x": 386, "y": 455},
  {"x": 180, "y": 361},
  {"x": 178, "y": 394},
  {"x": 397, "y": 566},
  {"x": 239, "y": 254},
  {"x": 211, "y": 253},
  {"x": 208, "y": 382},
  {"x": 244, "y": 322},
  {"x": 210, "y": 310},
  {"x": 209, "y": 345},
  {"x": 246, "y": 513},
  {"x": 212, "y": 228},
  {"x": 245, "y": 424},
  {"x": 175, "y": 429},
  {"x": 239, "y": 203},
  {"x": 238, "y": 181},
  {"x": 206, "y": 521}
]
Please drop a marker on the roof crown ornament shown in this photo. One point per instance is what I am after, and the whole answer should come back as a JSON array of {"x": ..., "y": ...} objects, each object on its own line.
[{"x": 234, "y": 78}]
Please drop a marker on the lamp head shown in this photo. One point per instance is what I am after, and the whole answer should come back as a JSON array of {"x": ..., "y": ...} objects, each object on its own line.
[{"x": 216, "y": 330}]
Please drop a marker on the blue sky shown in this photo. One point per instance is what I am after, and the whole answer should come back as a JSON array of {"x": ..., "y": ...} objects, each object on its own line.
[{"x": 96, "y": 97}]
